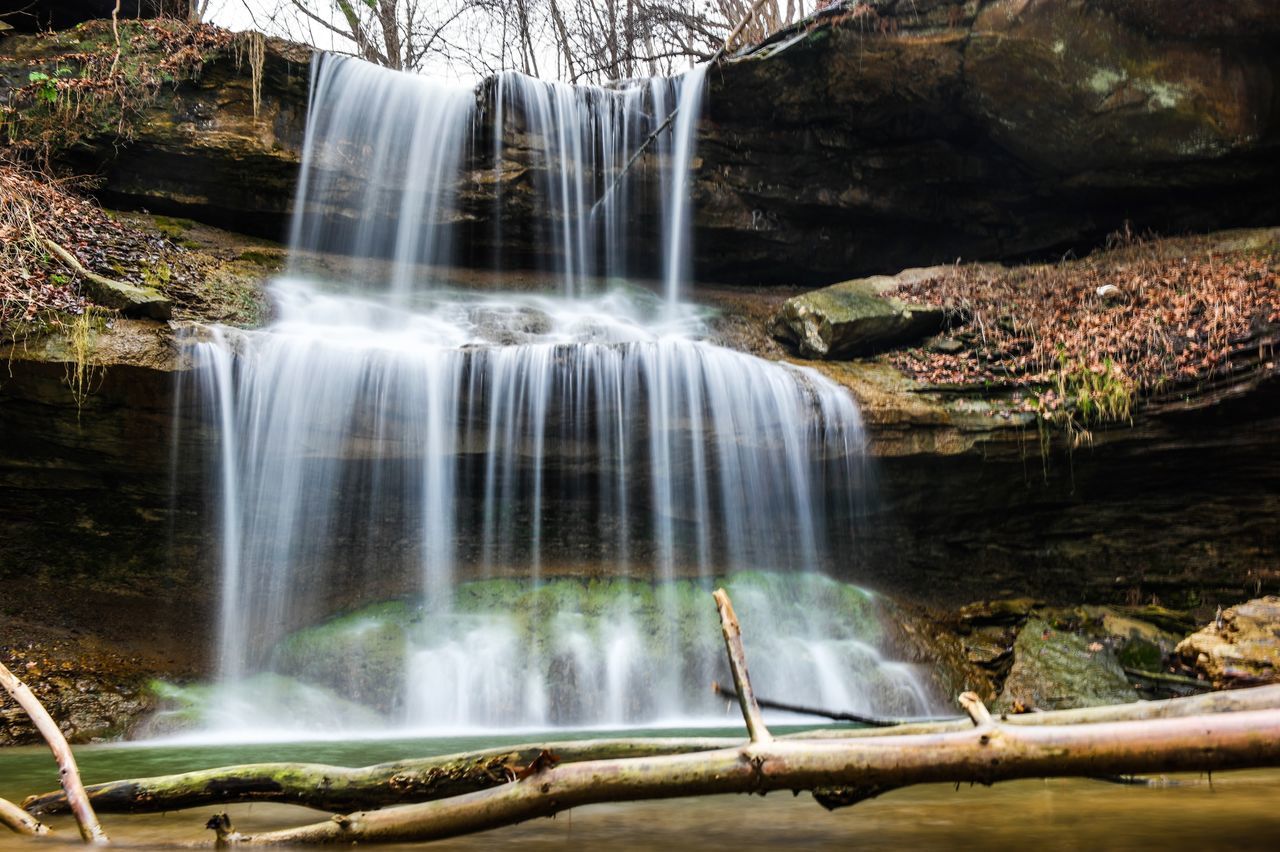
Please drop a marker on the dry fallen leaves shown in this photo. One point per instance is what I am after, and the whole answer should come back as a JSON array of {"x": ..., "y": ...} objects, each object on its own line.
[{"x": 1162, "y": 317}]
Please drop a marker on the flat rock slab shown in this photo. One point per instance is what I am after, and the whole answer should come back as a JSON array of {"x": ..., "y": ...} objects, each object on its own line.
[{"x": 858, "y": 317}]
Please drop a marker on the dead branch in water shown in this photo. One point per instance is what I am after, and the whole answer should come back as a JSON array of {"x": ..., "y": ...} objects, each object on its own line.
[
  {"x": 833, "y": 715},
  {"x": 986, "y": 754},
  {"x": 336, "y": 788},
  {"x": 738, "y": 665},
  {"x": 19, "y": 821},
  {"x": 68, "y": 772}
]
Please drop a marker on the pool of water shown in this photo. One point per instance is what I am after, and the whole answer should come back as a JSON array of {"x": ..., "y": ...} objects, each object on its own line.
[{"x": 1237, "y": 810}]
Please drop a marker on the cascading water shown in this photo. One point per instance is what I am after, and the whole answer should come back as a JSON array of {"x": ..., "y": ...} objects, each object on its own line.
[{"x": 389, "y": 438}]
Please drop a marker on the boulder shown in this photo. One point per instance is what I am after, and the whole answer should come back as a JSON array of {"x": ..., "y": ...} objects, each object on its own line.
[
  {"x": 1055, "y": 670},
  {"x": 1240, "y": 647},
  {"x": 857, "y": 317}
]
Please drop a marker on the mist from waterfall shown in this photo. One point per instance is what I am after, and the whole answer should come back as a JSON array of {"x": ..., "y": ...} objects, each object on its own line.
[{"x": 392, "y": 437}]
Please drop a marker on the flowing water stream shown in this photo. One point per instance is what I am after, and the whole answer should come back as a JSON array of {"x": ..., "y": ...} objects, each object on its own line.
[{"x": 519, "y": 499}]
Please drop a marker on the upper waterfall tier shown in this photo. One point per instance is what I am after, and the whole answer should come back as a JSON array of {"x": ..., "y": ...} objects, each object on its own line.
[{"x": 389, "y": 154}]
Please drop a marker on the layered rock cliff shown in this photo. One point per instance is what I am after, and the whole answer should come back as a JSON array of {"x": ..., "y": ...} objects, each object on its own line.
[{"x": 880, "y": 135}]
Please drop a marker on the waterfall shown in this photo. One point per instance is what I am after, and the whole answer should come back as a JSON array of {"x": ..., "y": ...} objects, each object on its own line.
[{"x": 519, "y": 499}]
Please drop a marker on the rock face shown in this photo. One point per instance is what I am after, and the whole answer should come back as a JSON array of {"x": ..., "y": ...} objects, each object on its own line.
[
  {"x": 854, "y": 318},
  {"x": 886, "y": 136},
  {"x": 1239, "y": 648}
]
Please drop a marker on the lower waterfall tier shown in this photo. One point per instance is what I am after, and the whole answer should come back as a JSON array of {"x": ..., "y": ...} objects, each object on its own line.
[{"x": 562, "y": 653}]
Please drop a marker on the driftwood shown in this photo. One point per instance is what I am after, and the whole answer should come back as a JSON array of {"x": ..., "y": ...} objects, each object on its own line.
[
  {"x": 336, "y": 789},
  {"x": 1226, "y": 701},
  {"x": 738, "y": 665},
  {"x": 68, "y": 772},
  {"x": 986, "y": 754},
  {"x": 19, "y": 821}
]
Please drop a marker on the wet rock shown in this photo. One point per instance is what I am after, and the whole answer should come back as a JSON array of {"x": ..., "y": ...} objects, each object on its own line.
[
  {"x": 90, "y": 694},
  {"x": 853, "y": 318},
  {"x": 1055, "y": 670},
  {"x": 1240, "y": 647},
  {"x": 1139, "y": 644},
  {"x": 1004, "y": 612}
]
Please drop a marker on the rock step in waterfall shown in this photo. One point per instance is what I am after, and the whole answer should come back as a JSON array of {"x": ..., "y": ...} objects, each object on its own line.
[{"x": 390, "y": 438}]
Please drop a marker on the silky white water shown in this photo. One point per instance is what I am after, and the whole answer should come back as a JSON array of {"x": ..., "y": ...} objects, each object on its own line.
[{"x": 437, "y": 464}]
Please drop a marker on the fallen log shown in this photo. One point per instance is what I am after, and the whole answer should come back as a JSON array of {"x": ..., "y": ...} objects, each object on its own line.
[
  {"x": 68, "y": 772},
  {"x": 337, "y": 788},
  {"x": 19, "y": 821},
  {"x": 983, "y": 755},
  {"x": 1224, "y": 701},
  {"x": 340, "y": 789}
]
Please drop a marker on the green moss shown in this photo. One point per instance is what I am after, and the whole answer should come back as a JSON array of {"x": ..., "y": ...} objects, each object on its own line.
[
  {"x": 1140, "y": 654},
  {"x": 171, "y": 226},
  {"x": 258, "y": 257},
  {"x": 157, "y": 277}
]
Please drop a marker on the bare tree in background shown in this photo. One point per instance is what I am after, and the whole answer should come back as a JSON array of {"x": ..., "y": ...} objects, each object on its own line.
[
  {"x": 400, "y": 34},
  {"x": 575, "y": 40}
]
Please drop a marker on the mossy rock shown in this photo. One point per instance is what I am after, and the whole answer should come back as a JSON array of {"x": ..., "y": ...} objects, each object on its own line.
[
  {"x": 361, "y": 656},
  {"x": 1056, "y": 670},
  {"x": 853, "y": 318}
]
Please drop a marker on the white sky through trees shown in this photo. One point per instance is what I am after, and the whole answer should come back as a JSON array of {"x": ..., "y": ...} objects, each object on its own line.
[{"x": 574, "y": 40}]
